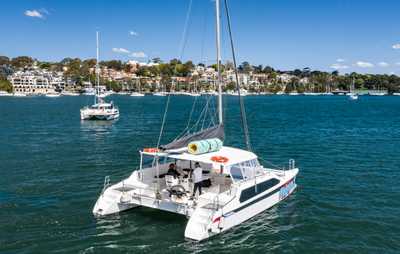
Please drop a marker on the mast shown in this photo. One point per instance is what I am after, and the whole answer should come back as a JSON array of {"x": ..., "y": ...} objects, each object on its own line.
[
  {"x": 242, "y": 109},
  {"x": 97, "y": 68},
  {"x": 220, "y": 116}
]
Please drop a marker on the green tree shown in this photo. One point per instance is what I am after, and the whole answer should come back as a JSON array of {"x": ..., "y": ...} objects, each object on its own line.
[
  {"x": 156, "y": 60},
  {"x": 245, "y": 67},
  {"x": 5, "y": 85},
  {"x": 21, "y": 61},
  {"x": 4, "y": 60}
]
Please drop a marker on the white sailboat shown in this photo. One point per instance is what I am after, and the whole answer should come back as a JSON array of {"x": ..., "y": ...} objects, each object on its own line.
[
  {"x": 238, "y": 186},
  {"x": 100, "y": 110},
  {"x": 137, "y": 94},
  {"x": 351, "y": 94}
]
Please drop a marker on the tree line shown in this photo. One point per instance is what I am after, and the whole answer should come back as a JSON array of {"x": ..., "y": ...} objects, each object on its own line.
[{"x": 269, "y": 79}]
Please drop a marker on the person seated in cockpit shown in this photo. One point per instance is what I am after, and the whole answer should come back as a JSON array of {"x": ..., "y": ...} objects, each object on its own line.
[{"x": 172, "y": 171}]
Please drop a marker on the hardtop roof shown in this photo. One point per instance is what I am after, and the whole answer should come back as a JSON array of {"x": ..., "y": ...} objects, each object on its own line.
[{"x": 234, "y": 156}]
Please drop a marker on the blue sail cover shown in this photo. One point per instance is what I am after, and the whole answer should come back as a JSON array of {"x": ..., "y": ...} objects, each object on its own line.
[{"x": 212, "y": 132}]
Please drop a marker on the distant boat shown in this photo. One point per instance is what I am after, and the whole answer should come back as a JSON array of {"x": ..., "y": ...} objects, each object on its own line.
[
  {"x": 377, "y": 93},
  {"x": 136, "y": 94},
  {"x": 160, "y": 94},
  {"x": 396, "y": 94},
  {"x": 313, "y": 94},
  {"x": 352, "y": 96},
  {"x": 89, "y": 91},
  {"x": 294, "y": 93},
  {"x": 66, "y": 93},
  {"x": 4, "y": 93},
  {"x": 52, "y": 95},
  {"x": 16, "y": 94},
  {"x": 100, "y": 110},
  {"x": 243, "y": 92},
  {"x": 209, "y": 93}
]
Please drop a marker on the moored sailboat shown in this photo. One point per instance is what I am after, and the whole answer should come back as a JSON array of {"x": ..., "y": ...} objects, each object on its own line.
[
  {"x": 100, "y": 110},
  {"x": 352, "y": 96}
]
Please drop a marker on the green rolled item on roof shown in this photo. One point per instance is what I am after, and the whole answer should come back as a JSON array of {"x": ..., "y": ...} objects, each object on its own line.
[{"x": 205, "y": 146}]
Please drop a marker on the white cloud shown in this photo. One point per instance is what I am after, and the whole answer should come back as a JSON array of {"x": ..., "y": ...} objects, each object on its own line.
[
  {"x": 139, "y": 54},
  {"x": 34, "y": 14},
  {"x": 340, "y": 60},
  {"x": 338, "y": 66},
  {"x": 396, "y": 46},
  {"x": 383, "y": 64},
  {"x": 133, "y": 33},
  {"x": 364, "y": 64},
  {"x": 121, "y": 50}
]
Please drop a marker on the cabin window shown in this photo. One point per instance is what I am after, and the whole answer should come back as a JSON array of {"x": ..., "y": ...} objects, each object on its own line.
[
  {"x": 236, "y": 172},
  {"x": 259, "y": 188},
  {"x": 246, "y": 170}
]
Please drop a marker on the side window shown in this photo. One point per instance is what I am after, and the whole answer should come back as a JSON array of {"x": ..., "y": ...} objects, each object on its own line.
[{"x": 236, "y": 173}]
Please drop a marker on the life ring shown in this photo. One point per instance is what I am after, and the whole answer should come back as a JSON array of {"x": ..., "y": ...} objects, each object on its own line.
[
  {"x": 151, "y": 150},
  {"x": 220, "y": 159}
]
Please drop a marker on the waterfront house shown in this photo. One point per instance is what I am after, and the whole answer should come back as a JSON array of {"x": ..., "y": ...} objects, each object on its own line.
[{"x": 35, "y": 82}]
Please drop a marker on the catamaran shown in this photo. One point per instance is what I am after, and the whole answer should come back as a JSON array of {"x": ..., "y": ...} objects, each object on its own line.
[
  {"x": 100, "y": 110},
  {"x": 235, "y": 185}
]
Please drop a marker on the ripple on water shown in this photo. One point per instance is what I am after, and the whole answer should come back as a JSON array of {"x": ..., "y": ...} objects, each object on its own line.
[{"x": 53, "y": 167}]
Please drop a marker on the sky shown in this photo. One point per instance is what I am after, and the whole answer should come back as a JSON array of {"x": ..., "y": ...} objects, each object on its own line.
[{"x": 328, "y": 35}]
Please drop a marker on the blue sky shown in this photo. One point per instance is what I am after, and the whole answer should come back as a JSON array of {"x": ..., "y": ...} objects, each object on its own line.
[{"x": 348, "y": 35}]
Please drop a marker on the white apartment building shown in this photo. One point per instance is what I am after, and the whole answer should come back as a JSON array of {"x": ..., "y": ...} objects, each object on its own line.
[{"x": 35, "y": 82}]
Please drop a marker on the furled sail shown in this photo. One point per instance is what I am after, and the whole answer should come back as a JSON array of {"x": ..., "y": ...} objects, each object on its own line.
[{"x": 212, "y": 132}]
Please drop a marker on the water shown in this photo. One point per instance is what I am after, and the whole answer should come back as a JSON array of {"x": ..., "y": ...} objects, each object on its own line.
[{"x": 53, "y": 166}]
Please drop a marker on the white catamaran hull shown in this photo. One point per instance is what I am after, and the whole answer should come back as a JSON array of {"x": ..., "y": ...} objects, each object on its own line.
[
  {"x": 89, "y": 114},
  {"x": 203, "y": 222},
  {"x": 104, "y": 117},
  {"x": 201, "y": 227}
]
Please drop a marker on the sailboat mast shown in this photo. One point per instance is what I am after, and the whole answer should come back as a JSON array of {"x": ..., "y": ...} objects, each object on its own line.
[
  {"x": 242, "y": 109},
  {"x": 220, "y": 116},
  {"x": 97, "y": 67}
]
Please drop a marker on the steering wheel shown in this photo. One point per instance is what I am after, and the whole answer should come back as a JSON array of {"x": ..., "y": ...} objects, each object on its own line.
[{"x": 177, "y": 190}]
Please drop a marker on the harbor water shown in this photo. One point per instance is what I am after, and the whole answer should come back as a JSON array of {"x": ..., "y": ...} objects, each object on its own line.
[{"x": 53, "y": 165}]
